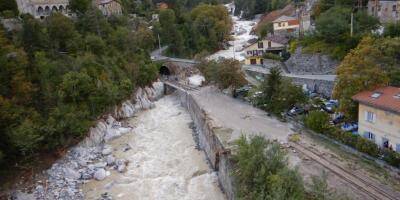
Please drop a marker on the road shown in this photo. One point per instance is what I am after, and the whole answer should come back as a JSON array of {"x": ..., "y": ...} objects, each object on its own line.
[{"x": 313, "y": 77}]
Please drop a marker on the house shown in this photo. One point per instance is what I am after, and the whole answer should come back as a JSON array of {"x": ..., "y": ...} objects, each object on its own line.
[
  {"x": 162, "y": 6},
  {"x": 286, "y": 24},
  {"x": 289, "y": 10},
  {"x": 385, "y": 10},
  {"x": 275, "y": 44},
  {"x": 379, "y": 116},
  {"x": 109, "y": 7},
  {"x": 43, "y": 8}
]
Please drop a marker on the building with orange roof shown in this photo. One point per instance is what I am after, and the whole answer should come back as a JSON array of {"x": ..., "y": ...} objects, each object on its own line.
[{"x": 379, "y": 116}]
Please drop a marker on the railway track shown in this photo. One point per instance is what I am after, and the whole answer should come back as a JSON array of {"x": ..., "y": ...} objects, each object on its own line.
[{"x": 357, "y": 181}]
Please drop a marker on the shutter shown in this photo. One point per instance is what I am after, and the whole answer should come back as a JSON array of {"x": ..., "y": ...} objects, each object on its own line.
[
  {"x": 373, "y": 117},
  {"x": 365, "y": 115}
]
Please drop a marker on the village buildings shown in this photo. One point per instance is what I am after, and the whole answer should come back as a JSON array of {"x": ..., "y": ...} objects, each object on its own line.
[
  {"x": 286, "y": 25},
  {"x": 109, "y": 7},
  {"x": 274, "y": 44},
  {"x": 385, "y": 10},
  {"x": 43, "y": 8},
  {"x": 379, "y": 116}
]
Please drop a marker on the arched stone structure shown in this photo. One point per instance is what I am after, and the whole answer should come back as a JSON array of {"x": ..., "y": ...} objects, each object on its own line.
[
  {"x": 164, "y": 71},
  {"x": 42, "y": 8}
]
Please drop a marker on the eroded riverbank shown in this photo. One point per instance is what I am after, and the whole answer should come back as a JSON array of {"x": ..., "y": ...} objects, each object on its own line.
[{"x": 163, "y": 162}]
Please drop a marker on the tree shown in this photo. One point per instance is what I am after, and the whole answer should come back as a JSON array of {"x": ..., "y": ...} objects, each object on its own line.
[
  {"x": 358, "y": 71},
  {"x": 224, "y": 73},
  {"x": 79, "y": 6},
  {"x": 278, "y": 94},
  {"x": 392, "y": 30},
  {"x": 317, "y": 121},
  {"x": 261, "y": 171},
  {"x": 9, "y": 5},
  {"x": 61, "y": 31}
]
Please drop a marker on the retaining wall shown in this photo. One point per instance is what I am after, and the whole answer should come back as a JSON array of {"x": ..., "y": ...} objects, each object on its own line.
[{"x": 210, "y": 141}]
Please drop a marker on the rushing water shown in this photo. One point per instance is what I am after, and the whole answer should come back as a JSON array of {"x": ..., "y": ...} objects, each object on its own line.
[{"x": 163, "y": 161}]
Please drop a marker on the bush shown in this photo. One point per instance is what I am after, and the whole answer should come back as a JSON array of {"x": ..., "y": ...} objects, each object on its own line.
[
  {"x": 225, "y": 73},
  {"x": 391, "y": 157},
  {"x": 317, "y": 121},
  {"x": 273, "y": 56},
  {"x": 366, "y": 146},
  {"x": 261, "y": 171}
]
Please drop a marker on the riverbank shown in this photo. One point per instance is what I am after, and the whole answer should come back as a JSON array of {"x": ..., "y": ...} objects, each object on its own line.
[
  {"x": 163, "y": 161},
  {"x": 79, "y": 164}
]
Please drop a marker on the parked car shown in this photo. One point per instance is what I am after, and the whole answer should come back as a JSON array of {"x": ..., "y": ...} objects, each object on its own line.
[
  {"x": 330, "y": 106},
  {"x": 350, "y": 127},
  {"x": 338, "y": 119},
  {"x": 296, "y": 111}
]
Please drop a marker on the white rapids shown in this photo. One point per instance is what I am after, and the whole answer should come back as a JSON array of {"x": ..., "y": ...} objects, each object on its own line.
[{"x": 163, "y": 160}]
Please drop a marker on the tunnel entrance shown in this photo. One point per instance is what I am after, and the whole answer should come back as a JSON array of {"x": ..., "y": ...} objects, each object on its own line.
[{"x": 164, "y": 71}]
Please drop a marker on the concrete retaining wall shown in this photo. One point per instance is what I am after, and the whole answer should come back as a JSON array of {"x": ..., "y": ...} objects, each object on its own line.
[{"x": 210, "y": 143}]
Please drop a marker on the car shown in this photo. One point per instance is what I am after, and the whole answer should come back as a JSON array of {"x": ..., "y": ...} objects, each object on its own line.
[
  {"x": 296, "y": 111},
  {"x": 349, "y": 127},
  {"x": 338, "y": 119}
]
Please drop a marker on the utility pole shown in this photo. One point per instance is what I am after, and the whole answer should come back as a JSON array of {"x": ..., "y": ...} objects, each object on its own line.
[
  {"x": 159, "y": 43},
  {"x": 351, "y": 24}
]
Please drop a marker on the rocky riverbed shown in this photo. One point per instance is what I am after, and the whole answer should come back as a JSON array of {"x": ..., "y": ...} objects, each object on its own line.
[
  {"x": 91, "y": 159},
  {"x": 157, "y": 159}
]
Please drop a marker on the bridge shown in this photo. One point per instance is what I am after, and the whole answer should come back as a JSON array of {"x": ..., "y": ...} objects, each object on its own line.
[{"x": 322, "y": 84}]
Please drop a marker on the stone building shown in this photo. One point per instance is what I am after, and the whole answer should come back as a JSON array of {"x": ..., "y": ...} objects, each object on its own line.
[
  {"x": 109, "y": 7},
  {"x": 385, "y": 10},
  {"x": 43, "y": 8}
]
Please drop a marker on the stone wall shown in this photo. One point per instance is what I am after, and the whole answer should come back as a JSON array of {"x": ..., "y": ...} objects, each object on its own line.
[
  {"x": 209, "y": 141},
  {"x": 302, "y": 63},
  {"x": 323, "y": 87},
  {"x": 318, "y": 86}
]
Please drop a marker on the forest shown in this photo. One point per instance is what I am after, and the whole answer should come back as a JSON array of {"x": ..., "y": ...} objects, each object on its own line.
[{"x": 59, "y": 75}]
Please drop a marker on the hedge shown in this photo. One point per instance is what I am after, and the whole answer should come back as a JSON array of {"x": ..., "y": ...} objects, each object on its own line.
[{"x": 357, "y": 142}]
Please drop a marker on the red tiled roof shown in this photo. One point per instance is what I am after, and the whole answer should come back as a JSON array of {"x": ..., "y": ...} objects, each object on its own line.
[
  {"x": 385, "y": 98},
  {"x": 289, "y": 9}
]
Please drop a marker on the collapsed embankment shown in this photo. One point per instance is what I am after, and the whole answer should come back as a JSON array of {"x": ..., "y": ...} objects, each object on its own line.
[
  {"x": 88, "y": 159},
  {"x": 211, "y": 142}
]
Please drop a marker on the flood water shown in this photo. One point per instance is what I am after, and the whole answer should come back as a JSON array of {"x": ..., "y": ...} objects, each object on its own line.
[{"x": 163, "y": 162}]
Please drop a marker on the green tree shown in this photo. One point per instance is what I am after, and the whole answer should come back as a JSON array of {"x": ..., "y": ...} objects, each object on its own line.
[
  {"x": 261, "y": 171},
  {"x": 317, "y": 121},
  {"x": 392, "y": 30},
  {"x": 79, "y": 6},
  {"x": 9, "y": 5},
  {"x": 62, "y": 32}
]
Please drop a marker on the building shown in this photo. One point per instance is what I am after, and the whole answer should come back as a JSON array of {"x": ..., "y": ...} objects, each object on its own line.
[
  {"x": 109, "y": 7},
  {"x": 255, "y": 52},
  {"x": 269, "y": 17},
  {"x": 379, "y": 116},
  {"x": 162, "y": 6},
  {"x": 43, "y": 8},
  {"x": 385, "y": 10},
  {"x": 286, "y": 24}
]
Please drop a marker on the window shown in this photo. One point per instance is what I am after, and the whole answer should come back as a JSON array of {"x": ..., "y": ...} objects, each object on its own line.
[
  {"x": 248, "y": 52},
  {"x": 260, "y": 45},
  {"x": 398, "y": 148},
  {"x": 269, "y": 44},
  {"x": 279, "y": 24},
  {"x": 369, "y": 136},
  {"x": 370, "y": 116},
  {"x": 253, "y": 61},
  {"x": 394, "y": 8},
  {"x": 379, "y": 8},
  {"x": 385, "y": 143}
]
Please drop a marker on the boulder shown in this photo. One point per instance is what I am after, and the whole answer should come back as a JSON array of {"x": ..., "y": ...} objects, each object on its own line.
[
  {"x": 100, "y": 174},
  {"x": 107, "y": 150},
  {"x": 110, "y": 160},
  {"x": 71, "y": 173}
]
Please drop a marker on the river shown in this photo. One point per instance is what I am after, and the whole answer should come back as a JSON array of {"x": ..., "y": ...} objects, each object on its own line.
[{"x": 163, "y": 160}]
